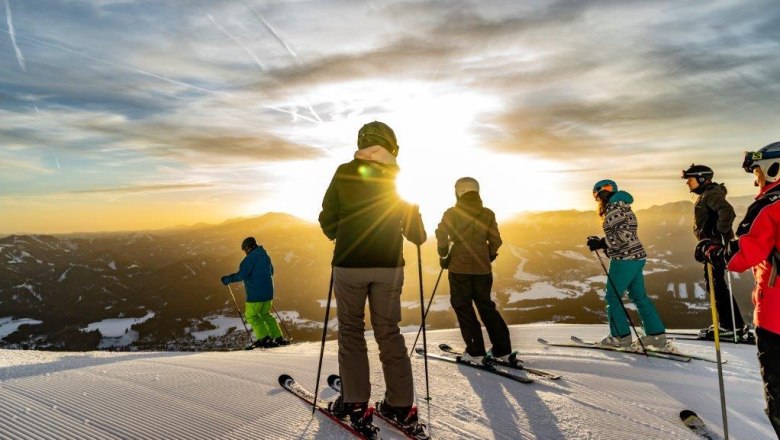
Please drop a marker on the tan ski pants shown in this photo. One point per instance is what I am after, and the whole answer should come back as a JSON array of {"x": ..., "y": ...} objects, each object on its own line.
[{"x": 382, "y": 287}]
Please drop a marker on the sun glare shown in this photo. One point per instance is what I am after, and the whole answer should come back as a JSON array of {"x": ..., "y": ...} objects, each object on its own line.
[{"x": 436, "y": 127}]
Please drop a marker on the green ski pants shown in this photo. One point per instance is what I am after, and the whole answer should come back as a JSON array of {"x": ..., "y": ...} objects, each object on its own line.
[{"x": 258, "y": 315}]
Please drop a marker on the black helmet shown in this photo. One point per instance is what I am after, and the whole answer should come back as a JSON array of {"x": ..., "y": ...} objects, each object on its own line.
[
  {"x": 702, "y": 173},
  {"x": 377, "y": 133},
  {"x": 248, "y": 244}
]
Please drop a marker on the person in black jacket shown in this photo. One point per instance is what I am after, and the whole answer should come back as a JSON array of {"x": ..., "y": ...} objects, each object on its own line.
[
  {"x": 713, "y": 219},
  {"x": 362, "y": 211}
]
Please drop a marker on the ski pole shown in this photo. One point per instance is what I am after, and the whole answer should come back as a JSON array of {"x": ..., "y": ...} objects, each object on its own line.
[
  {"x": 620, "y": 301},
  {"x": 731, "y": 299},
  {"x": 430, "y": 301},
  {"x": 322, "y": 345},
  {"x": 716, "y": 326},
  {"x": 422, "y": 324},
  {"x": 282, "y": 322},
  {"x": 240, "y": 315}
]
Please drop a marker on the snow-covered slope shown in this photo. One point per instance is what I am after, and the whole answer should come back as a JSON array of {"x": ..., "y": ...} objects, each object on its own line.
[{"x": 235, "y": 395}]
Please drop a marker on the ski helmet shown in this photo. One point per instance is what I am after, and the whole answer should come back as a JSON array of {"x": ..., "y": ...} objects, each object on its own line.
[
  {"x": 605, "y": 185},
  {"x": 248, "y": 244},
  {"x": 377, "y": 133},
  {"x": 702, "y": 173},
  {"x": 767, "y": 158},
  {"x": 464, "y": 185}
]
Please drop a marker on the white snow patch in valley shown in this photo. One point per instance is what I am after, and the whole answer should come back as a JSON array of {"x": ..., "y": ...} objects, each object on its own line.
[
  {"x": 597, "y": 279},
  {"x": 698, "y": 291},
  {"x": 222, "y": 324},
  {"x": 116, "y": 327},
  {"x": 602, "y": 395},
  {"x": 573, "y": 255},
  {"x": 31, "y": 289},
  {"x": 64, "y": 274},
  {"x": 9, "y": 325},
  {"x": 112, "y": 265},
  {"x": 541, "y": 291},
  {"x": 521, "y": 275},
  {"x": 440, "y": 303}
]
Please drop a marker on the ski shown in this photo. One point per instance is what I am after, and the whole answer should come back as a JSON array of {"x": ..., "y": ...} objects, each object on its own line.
[
  {"x": 334, "y": 381},
  {"x": 694, "y": 337},
  {"x": 616, "y": 349},
  {"x": 289, "y": 384},
  {"x": 653, "y": 350},
  {"x": 696, "y": 424},
  {"x": 483, "y": 367},
  {"x": 518, "y": 366}
]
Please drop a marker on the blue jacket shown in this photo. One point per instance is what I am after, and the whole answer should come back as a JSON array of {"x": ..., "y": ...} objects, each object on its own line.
[{"x": 257, "y": 273}]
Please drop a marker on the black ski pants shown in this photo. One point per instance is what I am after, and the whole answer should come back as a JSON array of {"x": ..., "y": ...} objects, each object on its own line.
[
  {"x": 768, "y": 345},
  {"x": 466, "y": 289},
  {"x": 722, "y": 299}
]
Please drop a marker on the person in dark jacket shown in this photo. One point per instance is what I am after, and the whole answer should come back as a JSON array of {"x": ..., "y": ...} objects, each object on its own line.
[
  {"x": 756, "y": 247},
  {"x": 362, "y": 211},
  {"x": 257, "y": 273},
  {"x": 713, "y": 219},
  {"x": 473, "y": 232}
]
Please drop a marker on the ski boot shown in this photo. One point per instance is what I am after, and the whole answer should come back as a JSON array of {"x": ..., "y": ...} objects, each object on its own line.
[
  {"x": 359, "y": 415},
  {"x": 659, "y": 342},
  {"x": 266, "y": 342},
  {"x": 745, "y": 335},
  {"x": 510, "y": 358},
  {"x": 405, "y": 417},
  {"x": 616, "y": 341},
  {"x": 280, "y": 341},
  {"x": 466, "y": 357}
]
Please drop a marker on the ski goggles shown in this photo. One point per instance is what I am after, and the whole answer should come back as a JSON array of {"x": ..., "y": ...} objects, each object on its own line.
[{"x": 752, "y": 157}]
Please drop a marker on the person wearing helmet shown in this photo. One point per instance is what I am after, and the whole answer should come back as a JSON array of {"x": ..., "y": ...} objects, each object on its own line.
[
  {"x": 257, "y": 273},
  {"x": 756, "y": 246},
  {"x": 627, "y": 259},
  {"x": 713, "y": 217},
  {"x": 363, "y": 213},
  {"x": 472, "y": 231}
]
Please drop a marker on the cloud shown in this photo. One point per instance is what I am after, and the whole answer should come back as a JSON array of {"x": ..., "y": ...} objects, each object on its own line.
[{"x": 145, "y": 188}]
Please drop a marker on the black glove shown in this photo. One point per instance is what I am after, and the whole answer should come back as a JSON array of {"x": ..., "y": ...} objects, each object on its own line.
[
  {"x": 443, "y": 251},
  {"x": 444, "y": 262},
  {"x": 701, "y": 248},
  {"x": 493, "y": 258},
  {"x": 225, "y": 280},
  {"x": 596, "y": 243},
  {"x": 711, "y": 251}
]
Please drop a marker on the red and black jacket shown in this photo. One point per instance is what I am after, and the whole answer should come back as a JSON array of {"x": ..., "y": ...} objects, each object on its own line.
[{"x": 758, "y": 237}]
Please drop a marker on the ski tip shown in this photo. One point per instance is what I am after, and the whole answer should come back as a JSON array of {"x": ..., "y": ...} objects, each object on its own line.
[
  {"x": 285, "y": 380},
  {"x": 332, "y": 379},
  {"x": 419, "y": 350},
  {"x": 541, "y": 340},
  {"x": 686, "y": 414},
  {"x": 444, "y": 347}
]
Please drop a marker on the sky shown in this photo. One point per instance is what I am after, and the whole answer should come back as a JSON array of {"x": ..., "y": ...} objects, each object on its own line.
[{"x": 136, "y": 115}]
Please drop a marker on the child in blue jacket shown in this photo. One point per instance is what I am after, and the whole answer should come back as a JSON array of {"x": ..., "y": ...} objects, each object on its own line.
[{"x": 256, "y": 271}]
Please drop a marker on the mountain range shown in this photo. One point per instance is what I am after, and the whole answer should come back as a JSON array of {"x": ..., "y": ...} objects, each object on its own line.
[{"x": 63, "y": 292}]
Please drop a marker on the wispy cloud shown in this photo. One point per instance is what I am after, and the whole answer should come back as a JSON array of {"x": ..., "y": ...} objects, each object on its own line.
[
  {"x": 144, "y": 188},
  {"x": 12, "y": 33}
]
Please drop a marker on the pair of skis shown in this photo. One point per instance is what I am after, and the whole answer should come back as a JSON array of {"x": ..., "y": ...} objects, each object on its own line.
[
  {"x": 369, "y": 433},
  {"x": 663, "y": 354},
  {"x": 493, "y": 362}
]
